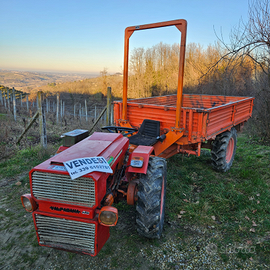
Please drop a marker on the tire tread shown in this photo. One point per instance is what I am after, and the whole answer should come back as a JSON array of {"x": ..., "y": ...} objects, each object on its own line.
[
  {"x": 219, "y": 149},
  {"x": 149, "y": 223}
]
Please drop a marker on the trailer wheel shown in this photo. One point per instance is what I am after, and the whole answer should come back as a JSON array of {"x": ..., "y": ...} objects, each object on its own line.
[
  {"x": 223, "y": 150},
  {"x": 151, "y": 199}
]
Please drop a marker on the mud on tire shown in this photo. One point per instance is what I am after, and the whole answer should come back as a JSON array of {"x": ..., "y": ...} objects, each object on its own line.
[
  {"x": 223, "y": 150},
  {"x": 151, "y": 199}
]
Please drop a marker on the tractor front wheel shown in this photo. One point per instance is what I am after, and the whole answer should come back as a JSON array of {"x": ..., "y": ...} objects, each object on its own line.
[
  {"x": 223, "y": 150},
  {"x": 151, "y": 199}
]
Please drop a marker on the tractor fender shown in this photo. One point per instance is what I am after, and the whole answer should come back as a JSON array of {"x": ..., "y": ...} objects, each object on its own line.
[{"x": 142, "y": 153}]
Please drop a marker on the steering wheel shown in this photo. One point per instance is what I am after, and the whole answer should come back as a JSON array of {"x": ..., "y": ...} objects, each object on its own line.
[{"x": 116, "y": 129}]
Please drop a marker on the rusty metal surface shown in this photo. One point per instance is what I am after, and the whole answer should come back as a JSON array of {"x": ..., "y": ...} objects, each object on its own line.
[{"x": 66, "y": 233}]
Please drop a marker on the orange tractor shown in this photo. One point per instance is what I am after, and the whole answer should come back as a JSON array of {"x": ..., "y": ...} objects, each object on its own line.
[{"x": 72, "y": 192}]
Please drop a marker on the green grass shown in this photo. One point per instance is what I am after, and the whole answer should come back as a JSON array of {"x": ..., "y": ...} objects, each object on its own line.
[
  {"x": 23, "y": 161},
  {"x": 237, "y": 199},
  {"x": 114, "y": 262},
  {"x": 16, "y": 218}
]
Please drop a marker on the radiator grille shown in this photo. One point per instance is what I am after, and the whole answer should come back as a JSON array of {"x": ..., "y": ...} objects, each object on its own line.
[
  {"x": 61, "y": 188},
  {"x": 66, "y": 234}
]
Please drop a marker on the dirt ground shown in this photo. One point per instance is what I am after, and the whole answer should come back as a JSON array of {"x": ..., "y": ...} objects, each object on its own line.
[
  {"x": 181, "y": 246},
  {"x": 20, "y": 250}
]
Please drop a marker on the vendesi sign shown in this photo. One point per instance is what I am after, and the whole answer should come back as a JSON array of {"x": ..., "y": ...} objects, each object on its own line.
[{"x": 81, "y": 166}]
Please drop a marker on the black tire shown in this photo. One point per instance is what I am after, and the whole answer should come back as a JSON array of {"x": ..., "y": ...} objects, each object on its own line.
[
  {"x": 151, "y": 199},
  {"x": 223, "y": 150}
]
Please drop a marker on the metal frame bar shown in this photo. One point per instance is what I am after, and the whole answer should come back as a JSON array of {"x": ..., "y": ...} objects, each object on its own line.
[{"x": 181, "y": 25}]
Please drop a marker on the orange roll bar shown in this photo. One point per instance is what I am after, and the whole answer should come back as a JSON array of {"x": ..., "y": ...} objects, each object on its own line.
[{"x": 182, "y": 27}]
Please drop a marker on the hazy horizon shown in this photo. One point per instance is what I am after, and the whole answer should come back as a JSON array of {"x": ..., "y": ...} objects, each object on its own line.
[
  {"x": 64, "y": 36},
  {"x": 51, "y": 71}
]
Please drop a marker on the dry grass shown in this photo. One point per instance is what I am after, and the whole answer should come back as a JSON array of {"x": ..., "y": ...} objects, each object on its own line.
[{"x": 10, "y": 129}]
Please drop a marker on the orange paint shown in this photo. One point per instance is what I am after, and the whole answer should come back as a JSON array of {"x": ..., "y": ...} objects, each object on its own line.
[{"x": 203, "y": 117}]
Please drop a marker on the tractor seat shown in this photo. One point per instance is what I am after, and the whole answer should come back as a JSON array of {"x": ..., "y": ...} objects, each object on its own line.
[{"x": 148, "y": 133}]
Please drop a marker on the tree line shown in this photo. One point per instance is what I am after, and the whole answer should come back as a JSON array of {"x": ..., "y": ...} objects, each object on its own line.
[
  {"x": 240, "y": 67},
  {"x": 154, "y": 71}
]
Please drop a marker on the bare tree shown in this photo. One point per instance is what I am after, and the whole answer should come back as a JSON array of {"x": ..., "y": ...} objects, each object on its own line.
[{"x": 249, "y": 51}]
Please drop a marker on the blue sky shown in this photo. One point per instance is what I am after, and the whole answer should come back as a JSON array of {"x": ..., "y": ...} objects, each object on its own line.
[{"x": 87, "y": 36}]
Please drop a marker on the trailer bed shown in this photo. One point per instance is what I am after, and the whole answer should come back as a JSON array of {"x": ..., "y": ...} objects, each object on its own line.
[{"x": 202, "y": 116}]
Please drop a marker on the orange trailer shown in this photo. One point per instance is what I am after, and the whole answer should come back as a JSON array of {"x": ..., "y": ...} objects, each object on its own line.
[{"x": 203, "y": 117}]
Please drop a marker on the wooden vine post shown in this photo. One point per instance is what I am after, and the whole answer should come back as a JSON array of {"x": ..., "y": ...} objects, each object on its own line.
[
  {"x": 109, "y": 102},
  {"x": 57, "y": 108},
  {"x": 42, "y": 121},
  {"x": 14, "y": 103}
]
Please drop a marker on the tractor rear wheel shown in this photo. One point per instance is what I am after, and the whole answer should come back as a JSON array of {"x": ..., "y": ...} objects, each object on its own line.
[
  {"x": 223, "y": 150},
  {"x": 151, "y": 199}
]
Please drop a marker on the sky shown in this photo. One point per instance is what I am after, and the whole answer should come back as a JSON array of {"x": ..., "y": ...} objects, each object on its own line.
[{"x": 87, "y": 36}]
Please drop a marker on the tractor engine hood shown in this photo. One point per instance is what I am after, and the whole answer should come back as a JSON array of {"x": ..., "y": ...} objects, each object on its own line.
[{"x": 111, "y": 146}]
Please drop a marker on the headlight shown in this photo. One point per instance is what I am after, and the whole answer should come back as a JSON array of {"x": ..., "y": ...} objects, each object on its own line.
[
  {"x": 28, "y": 203},
  {"x": 136, "y": 162},
  {"x": 108, "y": 216}
]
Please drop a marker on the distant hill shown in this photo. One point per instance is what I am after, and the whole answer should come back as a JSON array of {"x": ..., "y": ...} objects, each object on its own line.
[
  {"x": 90, "y": 86},
  {"x": 24, "y": 80},
  {"x": 52, "y": 83}
]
